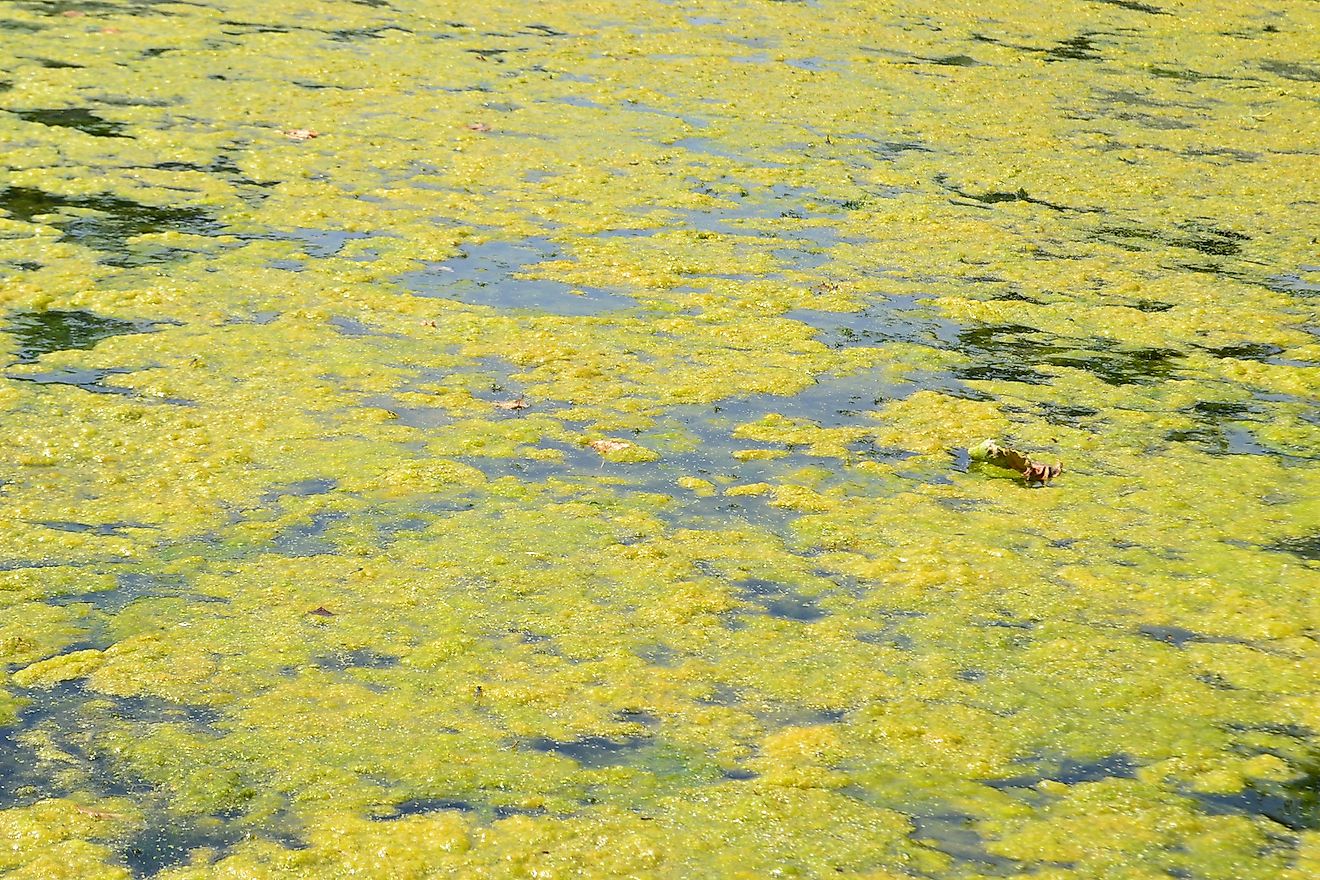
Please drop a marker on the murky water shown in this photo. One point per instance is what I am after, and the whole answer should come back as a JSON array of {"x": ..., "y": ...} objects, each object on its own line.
[{"x": 557, "y": 465}]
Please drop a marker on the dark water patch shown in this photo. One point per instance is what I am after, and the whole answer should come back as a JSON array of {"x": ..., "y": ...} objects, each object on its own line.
[
  {"x": 65, "y": 714},
  {"x": 1134, "y": 6},
  {"x": 318, "y": 243},
  {"x": 995, "y": 197},
  {"x": 1012, "y": 352},
  {"x": 780, "y": 600},
  {"x": 301, "y": 489},
  {"x": 1006, "y": 352},
  {"x": 897, "y": 319},
  {"x": 88, "y": 7},
  {"x": 658, "y": 654},
  {"x": 1307, "y": 547},
  {"x": 955, "y": 835},
  {"x": 362, "y": 658},
  {"x": 712, "y": 147},
  {"x": 422, "y": 806},
  {"x": 544, "y": 30},
  {"x": 1072, "y": 772},
  {"x": 309, "y": 538},
  {"x": 888, "y": 637},
  {"x": 238, "y": 28},
  {"x": 493, "y": 54},
  {"x": 157, "y": 710},
  {"x": 486, "y": 274},
  {"x": 1246, "y": 351},
  {"x": 881, "y": 148},
  {"x": 1078, "y": 48},
  {"x": 953, "y": 61},
  {"x": 351, "y": 327},
  {"x": 1294, "y": 731},
  {"x": 1153, "y": 121},
  {"x": 1222, "y": 440},
  {"x": 1183, "y": 74},
  {"x": 637, "y": 716},
  {"x": 1294, "y": 804},
  {"x": 20, "y": 27},
  {"x": 168, "y": 841},
  {"x": 421, "y": 417},
  {"x": 42, "y": 332},
  {"x": 1292, "y": 70},
  {"x": 1007, "y": 623},
  {"x": 1180, "y": 637},
  {"x": 1215, "y": 431},
  {"x": 591, "y": 751},
  {"x": 116, "y": 529},
  {"x": 79, "y": 118},
  {"x": 740, "y": 774},
  {"x": 56, "y": 64},
  {"x": 1220, "y": 409},
  {"x": 1192, "y": 235},
  {"x": 129, "y": 587},
  {"x": 1294, "y": 283},
  {"x": 106, "y": 222},
  {"x": 1124, "y": 366},
  {"x": 87, "y": 379},
  {"x": 1070, "y": 416}
]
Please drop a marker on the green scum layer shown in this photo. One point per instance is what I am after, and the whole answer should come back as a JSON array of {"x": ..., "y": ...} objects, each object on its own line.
[{"x": 288, "y": 593}]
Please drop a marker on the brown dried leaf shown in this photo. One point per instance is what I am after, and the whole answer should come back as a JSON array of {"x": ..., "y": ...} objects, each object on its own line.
[
  {"x": 321, "y": 611},
  {"x": 96, "y": 814},
  {"x": 1041, "y": 473},
  {"x": 518, "y": 402},
  {"x": 608, "y": 445},
  {"x": 1032, "y": 472},
  {"x": 479, "y": 126},
  {"x": 301, "y": 134}
]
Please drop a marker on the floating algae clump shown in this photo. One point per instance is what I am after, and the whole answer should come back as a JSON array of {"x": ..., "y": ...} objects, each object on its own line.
[{"x": 289, "y": 589}]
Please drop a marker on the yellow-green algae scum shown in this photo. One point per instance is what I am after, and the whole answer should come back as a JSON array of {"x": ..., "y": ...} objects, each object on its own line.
[{"x": 286, "y": 595}]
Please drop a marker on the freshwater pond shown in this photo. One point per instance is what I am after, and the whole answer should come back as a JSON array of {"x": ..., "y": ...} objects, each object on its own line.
[{"x": 530, "y": 440}]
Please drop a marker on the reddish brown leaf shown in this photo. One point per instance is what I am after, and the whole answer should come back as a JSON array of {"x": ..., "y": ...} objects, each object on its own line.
[
  {"x": 96, "y": 814},
  {"x": 479, "y": 126},
  {"x": 321, "y": 611},
  {"x": 1033, "y": 473},
  {"x": 518, "y": 402},
  {"x": 300, "y": 134},
  {"x": 608, "y": 445}
]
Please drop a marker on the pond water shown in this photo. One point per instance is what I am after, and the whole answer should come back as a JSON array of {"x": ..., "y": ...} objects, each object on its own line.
[{"x": 530, "y": 440}]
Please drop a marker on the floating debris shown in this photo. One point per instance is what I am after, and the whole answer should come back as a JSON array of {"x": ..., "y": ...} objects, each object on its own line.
[{"x": 1033, "y": 473}]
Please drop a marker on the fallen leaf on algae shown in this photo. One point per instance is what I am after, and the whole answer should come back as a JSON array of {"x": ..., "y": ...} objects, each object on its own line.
[
  {"x": 1033, "y": 473},
  {"x": 518, "y": 402},
  {"x": 300, "y": 134},
  {"x": 608, "y": 445},
  {"x": 97, "y": 814},
  {"x": 321, "y": 611},
  {"x": 479, "y": 126}
]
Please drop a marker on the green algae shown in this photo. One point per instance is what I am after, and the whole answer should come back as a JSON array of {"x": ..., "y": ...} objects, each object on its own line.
[{"x": 297, "y": 599}]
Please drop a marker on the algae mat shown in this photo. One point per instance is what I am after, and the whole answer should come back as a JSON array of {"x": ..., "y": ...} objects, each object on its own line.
[{"x": 528, "y": 440}]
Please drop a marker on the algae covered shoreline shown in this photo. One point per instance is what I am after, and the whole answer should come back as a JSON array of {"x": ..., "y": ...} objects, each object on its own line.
[{"x": 532, "y": 441}]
